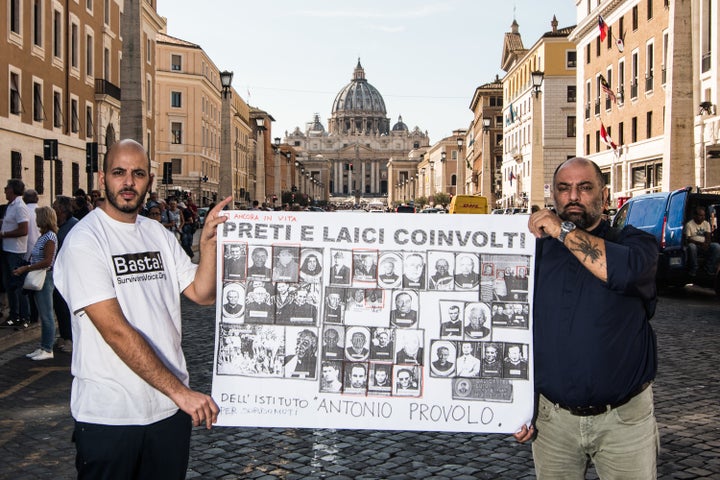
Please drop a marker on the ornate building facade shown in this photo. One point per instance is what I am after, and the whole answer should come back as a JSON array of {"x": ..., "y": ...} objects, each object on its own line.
[{"x": 351, "y": 157}]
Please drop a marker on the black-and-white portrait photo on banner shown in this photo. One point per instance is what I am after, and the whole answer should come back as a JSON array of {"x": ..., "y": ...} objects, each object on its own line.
[
  {"x": 339, "y": 268},
  {"x": 301, "y": 353},
  {"x": 441, "y": 270},
  {"x": 235, "y": 261},
  {"x": 365, "y": 267},
  {"x": 233, "y": 307},
  {"x": 311, "y": 269},
  {"x": 285, "y": 263},
  {"x": 333, "y": 342},
  {"x": 374, "y": 323},
  {"x": 259, "y": 267},
  {"x": 452, "y": 315},
  {"x": 389, "y": 270},
  {"x": 334, "y": 305},
  {"x": 442, "y": 358}
]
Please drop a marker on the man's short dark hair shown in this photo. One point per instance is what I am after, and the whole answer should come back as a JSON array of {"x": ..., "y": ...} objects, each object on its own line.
[
  {"x": 30, "y": 196},
  {"x": 64, "y": 204},
  {"x": 17, "y": 186}
]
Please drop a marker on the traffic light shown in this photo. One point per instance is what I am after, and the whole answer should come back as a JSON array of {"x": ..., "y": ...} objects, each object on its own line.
[
  {"x": 167, "y": 173},
  {"x": 91, "y": 157},
  {"x": 50, "y": 149}
]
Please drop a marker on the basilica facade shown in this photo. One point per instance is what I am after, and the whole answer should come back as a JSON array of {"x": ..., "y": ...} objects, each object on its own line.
[{"x": 350, "y": 158}]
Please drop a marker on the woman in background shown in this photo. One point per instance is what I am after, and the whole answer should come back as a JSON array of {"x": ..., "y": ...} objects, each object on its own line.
[{"x": 42, "y": 257}]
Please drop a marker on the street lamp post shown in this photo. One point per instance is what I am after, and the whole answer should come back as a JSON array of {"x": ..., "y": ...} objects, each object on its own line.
[
  {"x": 537, "y": 80},
  {"x": 259, "y": 190},
  {"x": 461, "y": 166},
  {"x": 225, "y": 187},
  {"x": 431, "y": 162},
  {"x": 278, "y": 171},
  {"x": 443, "y": 177},
  {"x": 486, "y": 173},
  {"x": 537, "y": 167},
  {"x": 288, "y": 180}
]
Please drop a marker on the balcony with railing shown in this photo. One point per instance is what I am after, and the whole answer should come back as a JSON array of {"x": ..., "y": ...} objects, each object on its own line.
[
  {"x": 664, "y": 75},
  {"x": 634, "y": 89},
  {"x": 620, "y": 95},
  {"x": 587, "y": 111},
  {"x": 105, "y": 87},
  {"x": 649, "y": 82},
  {"x": 597, "y": 106},
  {"x": 608, "y": 103}
]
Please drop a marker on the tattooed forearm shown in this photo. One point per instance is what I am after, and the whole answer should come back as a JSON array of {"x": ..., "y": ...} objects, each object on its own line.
[{"x": 588, "y": 249}]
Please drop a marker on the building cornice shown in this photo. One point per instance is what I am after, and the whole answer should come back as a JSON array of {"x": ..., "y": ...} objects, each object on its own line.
[{"x": 585, "y": 26}]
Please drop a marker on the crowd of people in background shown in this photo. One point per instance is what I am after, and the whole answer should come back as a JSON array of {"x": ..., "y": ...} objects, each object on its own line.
[{"x": 31, "y": 236}]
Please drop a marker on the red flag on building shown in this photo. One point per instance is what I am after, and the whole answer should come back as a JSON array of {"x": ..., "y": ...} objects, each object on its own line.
[
  {"x": 606, "y": 138},
  {"x": 603, "y": 28}
]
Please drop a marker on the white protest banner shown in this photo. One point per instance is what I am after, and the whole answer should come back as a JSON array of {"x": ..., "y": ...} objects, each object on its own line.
[{"x": 374, "y": 321}]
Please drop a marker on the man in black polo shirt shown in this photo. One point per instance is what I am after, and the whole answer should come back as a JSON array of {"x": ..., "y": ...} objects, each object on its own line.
[{"x": 595, "y": 352}]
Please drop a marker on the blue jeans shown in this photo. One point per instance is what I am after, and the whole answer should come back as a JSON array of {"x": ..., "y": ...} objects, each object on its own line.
[
  {"x": 712, "y": 257},
  {"x": 623, "y": 443},
  {"x": 44, "y": 302},
  {"x": 17, "y": 302}
]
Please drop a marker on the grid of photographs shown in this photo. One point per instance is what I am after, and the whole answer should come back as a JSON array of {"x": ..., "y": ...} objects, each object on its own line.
[{"x": 348, "y": 319}]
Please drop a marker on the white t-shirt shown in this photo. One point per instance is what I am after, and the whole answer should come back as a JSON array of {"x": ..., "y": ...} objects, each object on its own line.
[
  {"x": 16, "y": 213},
  {"x": 33, "y": 230},
  {"x": 143, "y": 266},
  {"x": 696, "y": 232}
]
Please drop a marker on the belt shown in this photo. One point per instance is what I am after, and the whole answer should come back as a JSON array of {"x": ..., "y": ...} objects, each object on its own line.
[{"x": 600, "y": 409}]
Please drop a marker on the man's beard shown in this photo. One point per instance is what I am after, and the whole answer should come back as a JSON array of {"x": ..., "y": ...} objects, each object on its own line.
[
  {"x": 132, "y": 207},
  {"x": 585, "y": 218}
]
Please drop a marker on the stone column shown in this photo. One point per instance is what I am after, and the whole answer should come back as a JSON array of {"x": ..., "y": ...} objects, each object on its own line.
[{"x": 679, "y": 163}]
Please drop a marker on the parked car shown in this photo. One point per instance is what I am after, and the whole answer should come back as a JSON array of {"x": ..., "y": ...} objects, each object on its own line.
[
  {"x": 432, "y": 210},
  {"x": 664, "y": 215},
  {"x": 405, "y": 209},
  {"x": 202, "y": 213}
]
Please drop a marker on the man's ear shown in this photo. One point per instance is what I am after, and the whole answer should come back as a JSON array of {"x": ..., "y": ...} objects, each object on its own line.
[{"x": 152, "y": 178}]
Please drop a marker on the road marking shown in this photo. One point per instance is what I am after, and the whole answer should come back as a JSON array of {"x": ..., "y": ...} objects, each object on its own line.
[{"x": 41, "y": 372}]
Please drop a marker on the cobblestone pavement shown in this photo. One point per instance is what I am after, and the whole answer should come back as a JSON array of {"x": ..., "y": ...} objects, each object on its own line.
[{"x": 35, "y": 428}]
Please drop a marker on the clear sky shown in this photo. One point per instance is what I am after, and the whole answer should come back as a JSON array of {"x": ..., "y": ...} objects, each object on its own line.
[{"x": 425, "y": 57}]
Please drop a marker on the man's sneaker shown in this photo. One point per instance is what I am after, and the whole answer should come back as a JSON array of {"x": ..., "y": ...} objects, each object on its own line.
[
  {"x": 35, "y": 353},
  {"x": 43, "y": 355},
  {"x": 10, "y": 322},
  {"x": 66, "y": 346}
]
